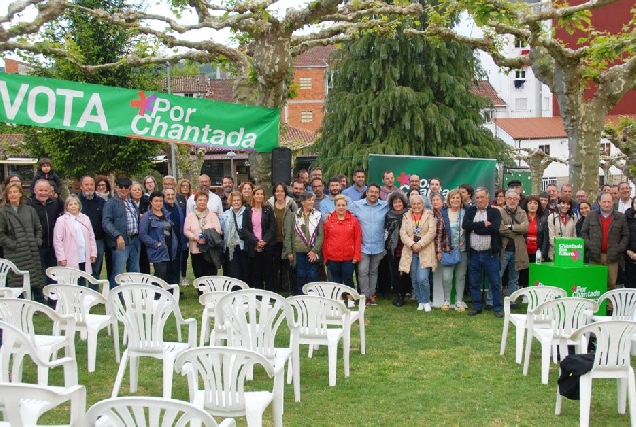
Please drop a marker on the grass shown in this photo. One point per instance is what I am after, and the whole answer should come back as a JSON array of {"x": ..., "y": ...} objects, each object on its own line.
[{"x": 438, "y": 368}]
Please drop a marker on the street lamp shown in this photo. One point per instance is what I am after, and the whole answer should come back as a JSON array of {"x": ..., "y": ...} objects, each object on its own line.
[
  {"x": 232, "y": 155},
  {"x": 173, "y": 154}
]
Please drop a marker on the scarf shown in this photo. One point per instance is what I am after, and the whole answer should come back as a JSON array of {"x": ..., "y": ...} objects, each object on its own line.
[
  {"x": 307, "y": 227},
  {"x": 233, "y": 238},
  {"x": 201, "y": 216}
]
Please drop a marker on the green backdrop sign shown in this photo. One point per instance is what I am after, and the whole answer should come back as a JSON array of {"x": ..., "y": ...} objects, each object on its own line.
[
  {"x": 452, "y": 171},
  {"x": 83, "y": 107}
]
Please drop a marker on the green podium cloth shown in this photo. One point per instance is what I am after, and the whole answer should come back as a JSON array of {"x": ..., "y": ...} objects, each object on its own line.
[{"x": 585, "y": 281}]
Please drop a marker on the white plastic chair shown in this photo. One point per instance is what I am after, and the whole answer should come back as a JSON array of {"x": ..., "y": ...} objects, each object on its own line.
[
  {"x": 536, "y": 295},
  {"x": 72, "y": 276},
  {"x": 20, "y": 313},
  {"x": 312, "y": 315},
  {"x": 25, "y": 403},
  {"x": 336, "y": 291},
  {"x": 144, "y": 310},
  {"x": 565, "y": 315},
  {"x": 149, "y": 412},
  {"x": 213, "y": 288},
  {"x": 7, "y": 267},
  {"x": 612, "y": 360},
  {"x": 250, "y": 319},
  {"x": 35, "y": 403},
  {"x": 148, "y": 279},
  {"x": 77, "y": 301},
  {"x": 222, "y": 372},
  {"x": 623, "y": 302}
]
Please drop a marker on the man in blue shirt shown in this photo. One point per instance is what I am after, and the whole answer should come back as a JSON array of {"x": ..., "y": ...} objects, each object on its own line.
[
  {"x": 358, "y": 188},
  {"x": 328, "y": 204},
  {"x": 370, "y": 212}
]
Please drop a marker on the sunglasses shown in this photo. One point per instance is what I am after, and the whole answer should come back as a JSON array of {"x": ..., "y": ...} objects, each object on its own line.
[{"x": 124, "y": 186}]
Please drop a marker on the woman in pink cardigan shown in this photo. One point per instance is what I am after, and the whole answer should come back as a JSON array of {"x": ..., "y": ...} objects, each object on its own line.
[
  {"x": 195, "y": 222},
  {"x": 73, "y": 237}
]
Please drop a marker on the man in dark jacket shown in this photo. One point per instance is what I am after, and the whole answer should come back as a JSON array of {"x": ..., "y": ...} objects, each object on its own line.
[
  {"x": 48, "y": 210},
  {"x": 606, "y": 235},
  {"x": 93, "y": 208},
  {"x": 121, "y": 228},
  {"x": 483, "y": 241}
]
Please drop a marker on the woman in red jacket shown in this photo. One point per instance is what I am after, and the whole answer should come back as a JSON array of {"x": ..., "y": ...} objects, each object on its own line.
[{"x": 342, "y": 242}]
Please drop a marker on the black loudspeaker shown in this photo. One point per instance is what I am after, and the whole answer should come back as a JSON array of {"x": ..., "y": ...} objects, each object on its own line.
[{"x": 281, "y": 165}]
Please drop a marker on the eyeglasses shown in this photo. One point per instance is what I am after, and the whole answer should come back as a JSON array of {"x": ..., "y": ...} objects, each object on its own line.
[{"x": 101, "y": 185}]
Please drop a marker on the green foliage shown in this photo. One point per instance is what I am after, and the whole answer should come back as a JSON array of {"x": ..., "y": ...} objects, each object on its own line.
[
  {"x": 74, "y": 153},
  {"x": 402, "y": 96}
]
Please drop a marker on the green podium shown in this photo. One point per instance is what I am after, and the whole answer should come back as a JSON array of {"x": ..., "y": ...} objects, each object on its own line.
[{"x": 568, "y": 272}]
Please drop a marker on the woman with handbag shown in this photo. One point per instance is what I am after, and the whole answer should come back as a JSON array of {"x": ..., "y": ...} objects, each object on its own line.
[
  {"x": 454, "y": 257},
  {"x": 418, "y": 254},
  {"x": 235, "y": 257},
  {"x": 201, "y": 218}
]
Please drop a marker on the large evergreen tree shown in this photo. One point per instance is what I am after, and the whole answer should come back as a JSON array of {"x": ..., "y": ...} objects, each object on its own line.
[
  {"x": 400, "y": 95},
  {"x": 76, "y": 153}
]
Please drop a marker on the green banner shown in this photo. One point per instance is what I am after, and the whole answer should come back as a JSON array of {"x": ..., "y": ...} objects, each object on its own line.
[
  {"x": 452, "y": 171},
  {"x": 83, "y": 107}
]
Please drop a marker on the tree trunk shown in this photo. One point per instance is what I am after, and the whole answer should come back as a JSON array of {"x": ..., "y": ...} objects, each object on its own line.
[{"x": 537, "y": 167}]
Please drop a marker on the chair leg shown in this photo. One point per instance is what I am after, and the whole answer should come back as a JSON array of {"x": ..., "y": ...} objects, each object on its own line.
[
  {"x": 586, "y": 400},
  {"x": 91, "y": 344},
  {"x": 631, "y": 395},
  {"x": 134, "y": 373},
  {"x": 120, "y": 374},
  {"x": 332, "y": 351},
  {"x": 205, "y": 323},
  {"x": 295, "y": 357},
  {"x": 254, "y": 418},
  {"x": 363, "y": 339},
  {"x": 621, "y": 393},
  {"x": 116, "y": 342},
  {"x": 526, "y": 361},
  {"x": 346, "y": 349},
  {"x": 504, "y": 337},
  {"x": 559, "y": 400},
  {"x": 168, "y": 369},
  {"x": 545, "y": 362},
  {"x": 520, "y": 334}
]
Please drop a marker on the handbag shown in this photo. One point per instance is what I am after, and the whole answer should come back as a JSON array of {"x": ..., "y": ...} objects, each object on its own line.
[{"x": 453, "y": 257}]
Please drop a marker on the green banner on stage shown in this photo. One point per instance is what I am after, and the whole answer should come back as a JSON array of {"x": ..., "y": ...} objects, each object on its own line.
[
  {"x": 452, "y": 171},
  {"x": 83, "y": 107}
]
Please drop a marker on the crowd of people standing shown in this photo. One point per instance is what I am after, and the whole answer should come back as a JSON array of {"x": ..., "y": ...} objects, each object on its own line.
[{"x": 379, "y": 236}]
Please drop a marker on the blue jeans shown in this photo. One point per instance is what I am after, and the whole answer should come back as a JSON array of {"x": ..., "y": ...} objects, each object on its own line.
[
  {"x": 306, "y": 271},
  {"x": 479, "y": 263},
  {"x": 420, "y": 280},
  {"x": 341, "y": 272},
  {"x": 127, "y": 258},
  {"x": 97, "y": 265},
  {"x": 513, "y": 275}
]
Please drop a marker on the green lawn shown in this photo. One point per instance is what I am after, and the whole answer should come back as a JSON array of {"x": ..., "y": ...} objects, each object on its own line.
[{"x": 438, "y": 368}]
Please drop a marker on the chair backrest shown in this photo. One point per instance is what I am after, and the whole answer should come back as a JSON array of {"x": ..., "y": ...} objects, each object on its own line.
[
  {"x": 331, "y": 290},
  {"x": 211, "y": 299},
  {"x": 613, "y": 343},
  {"x": 144, "y": 310},
  {"x": 18, "y": 396},
  {"x": 19, "y": 312},
  {"x": 252, "y": 318},
  {"x": 566, "y": 314},
  {"x": 146, "y": 412},
  {"x": 313, "y": 314},
  {"x": 14, "y": 341},
  {"x": 623, "y": 302},
  {"x": 218, "y": 284},
  {"x": 7, "y": 267},
  {"x": 538, "y": 295},
  {"x": 74, "y": 300},
  {"x": 140, "y": 279},
  {"x": 222, "y": 371},
  {"x": 72, "y": 276}
]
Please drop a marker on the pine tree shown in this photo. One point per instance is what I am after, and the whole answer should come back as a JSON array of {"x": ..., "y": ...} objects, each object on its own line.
[{"x": 400, "y": 95}]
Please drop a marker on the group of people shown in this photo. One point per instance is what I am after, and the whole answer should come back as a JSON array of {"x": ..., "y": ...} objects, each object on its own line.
[{"x": 389, "y": 239}]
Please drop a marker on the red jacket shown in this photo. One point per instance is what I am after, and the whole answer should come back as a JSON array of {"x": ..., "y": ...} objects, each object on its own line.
[{"x": 343, "y": 239}]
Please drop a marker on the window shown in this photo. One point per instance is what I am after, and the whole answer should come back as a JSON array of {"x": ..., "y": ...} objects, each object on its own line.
[
  {"x": 605, "y": 149},
  {"x": 545, "y": 148},
  {"x": 546, "y": 103},
  {"x": 521, "y": 104},
  {"x": 306, "y": 116},
  {"x": 520, "y": 78},
  {"x": 305, "y": 82},
  {"x": 488, "y": 116},
  {"x": 519, "y": 42},
  {"x": 547, "y": 181}
]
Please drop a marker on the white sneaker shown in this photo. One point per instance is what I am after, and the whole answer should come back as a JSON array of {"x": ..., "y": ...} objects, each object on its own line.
[
  {"x": 351, "y": 303},
  {"x": 184, "y": 282},
  {"x": 420, "y": 307},
  {"x": 427, "y": 307}
]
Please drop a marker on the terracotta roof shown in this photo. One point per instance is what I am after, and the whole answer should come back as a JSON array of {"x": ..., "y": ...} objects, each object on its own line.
[
  {"x": 614, "y": 119},
  {"x": 296, "y": 135},
  {"x": 314, "y": 57},
  {"x": 221, "y": 90},
  {"x": 533, "y": 127},
  {"x": 187, "y": 84},
  {"x": 14, "y": 141},
  {"x": 484, "y": 89}
]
